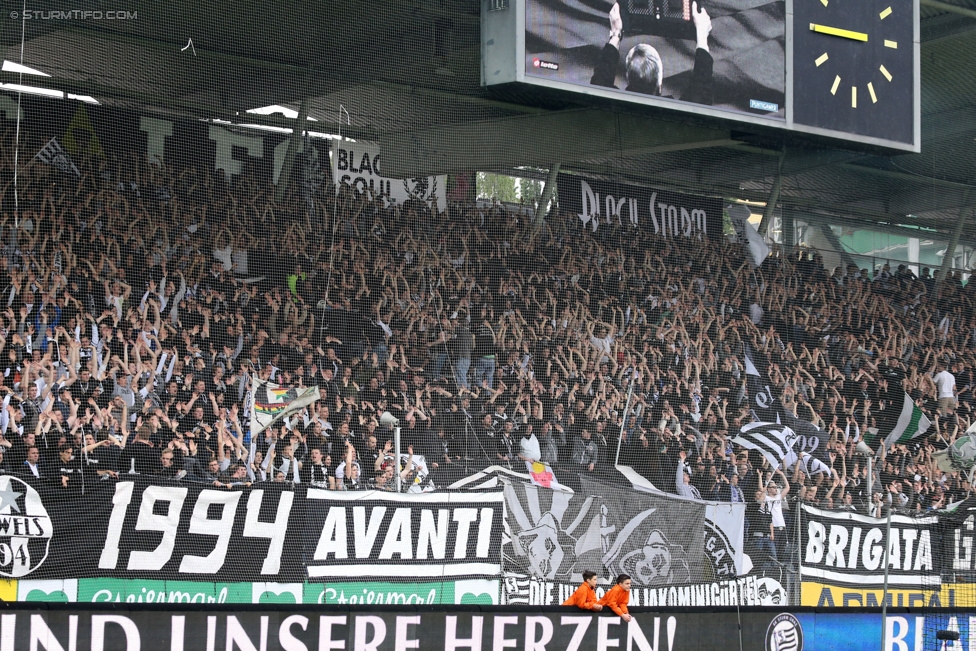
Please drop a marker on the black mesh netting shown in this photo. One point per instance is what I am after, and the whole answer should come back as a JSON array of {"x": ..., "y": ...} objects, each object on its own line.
[{"x": 241, "y": 367}]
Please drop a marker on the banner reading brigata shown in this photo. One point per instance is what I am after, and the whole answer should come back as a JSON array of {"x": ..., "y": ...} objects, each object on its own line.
[
  {"x": 659, "y": 212},
  {"x": 848, "y": 549}
]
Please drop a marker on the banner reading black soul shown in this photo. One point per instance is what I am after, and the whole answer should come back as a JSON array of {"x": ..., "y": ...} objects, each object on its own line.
[
  {"x": 137, "y": 529},
  {"x": 848, "y": 549},
  {"x": 659, "y": 212}
]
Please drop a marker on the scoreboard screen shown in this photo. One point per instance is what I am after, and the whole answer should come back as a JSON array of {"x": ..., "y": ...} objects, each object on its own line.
[{"x": 825, "y": 67}]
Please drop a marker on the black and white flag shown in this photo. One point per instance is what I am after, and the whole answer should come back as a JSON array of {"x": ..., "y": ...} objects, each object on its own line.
[
  {"x": 752, "y": 242},
  {"x": 766, "y": 407},
  {"x": 53, "y": 155},
  {"x": 773, "y": 440}
]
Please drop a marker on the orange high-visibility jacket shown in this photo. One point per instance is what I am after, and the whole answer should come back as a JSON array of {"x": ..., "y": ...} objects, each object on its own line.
[
  {"x": 616, "y": 600},
  {"x": 584, "y": 598}
]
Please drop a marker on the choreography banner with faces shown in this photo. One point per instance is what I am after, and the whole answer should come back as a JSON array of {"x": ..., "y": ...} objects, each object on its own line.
[{"x": 556, "y": 535}]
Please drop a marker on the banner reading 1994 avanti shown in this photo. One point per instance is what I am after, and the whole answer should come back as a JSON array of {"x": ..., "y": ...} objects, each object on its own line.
[{"x": 273, "y": 532}]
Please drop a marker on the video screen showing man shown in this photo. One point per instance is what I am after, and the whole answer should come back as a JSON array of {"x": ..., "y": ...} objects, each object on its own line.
[
  {"x": 721, "y": 53},
  {"x": 644, "y": 67}
]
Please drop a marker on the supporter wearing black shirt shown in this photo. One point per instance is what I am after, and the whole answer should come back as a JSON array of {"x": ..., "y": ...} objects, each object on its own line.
[
  {"x": 84, "y": 387},
  {"x": 506, "y": 448},
  {"x": 18, "y": 451},
  {"x": 101, "y": 457},
  {"x": 314, "y": 472},
  {"x": 140, "y": 455},
  {"x": 368, "y": 455},
  {"x": 760, "y": 521},
  {"x": 168, "y": 465},
  {"x": 196, "y": 421},
  {"x": 69, "y": 469}
]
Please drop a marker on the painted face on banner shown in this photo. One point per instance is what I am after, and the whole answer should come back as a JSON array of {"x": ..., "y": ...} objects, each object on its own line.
[
  {"x": 651, "y": 564},
  {"x": 544, "y": 549},
  {"x": 644, "y": 552},
  {"x": 770, "y": 592}
]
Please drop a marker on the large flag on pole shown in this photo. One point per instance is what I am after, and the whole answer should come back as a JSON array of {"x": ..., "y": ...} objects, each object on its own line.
[
  {"x": 899, "y": 422},
  {"x": 271, "y": 402},
  {"x": 766, "y": 407},
  {"x": 53, "y": 155},
  {"x": 773, "y": 440}
]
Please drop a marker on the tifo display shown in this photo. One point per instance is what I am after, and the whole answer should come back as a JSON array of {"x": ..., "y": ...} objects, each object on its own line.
[{"x": 210, "y": 412}]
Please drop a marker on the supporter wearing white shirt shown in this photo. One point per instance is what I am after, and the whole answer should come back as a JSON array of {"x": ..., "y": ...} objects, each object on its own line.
[
  {"x": 603, "y": 343},
  {"x": 945, "y": 385},
  {"x": 774, "y": 502}
]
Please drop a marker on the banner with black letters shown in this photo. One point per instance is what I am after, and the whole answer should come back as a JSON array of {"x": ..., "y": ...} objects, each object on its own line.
[
  {"x": 408, "y": 536},
  {"x": 843, "y": 548}
]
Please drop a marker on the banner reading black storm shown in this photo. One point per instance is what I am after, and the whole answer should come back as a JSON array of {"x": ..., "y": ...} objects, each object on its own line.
[{"x": 658, "y": 212}]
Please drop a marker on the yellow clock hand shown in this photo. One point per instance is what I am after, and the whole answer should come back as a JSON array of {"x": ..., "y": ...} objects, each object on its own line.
[{"x": 835, "y": 31}]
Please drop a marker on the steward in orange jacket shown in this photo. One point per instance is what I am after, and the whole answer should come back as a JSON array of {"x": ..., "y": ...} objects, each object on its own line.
[
  {"x": 585, "y": 596},
  {"x": 618, "y": 597}
]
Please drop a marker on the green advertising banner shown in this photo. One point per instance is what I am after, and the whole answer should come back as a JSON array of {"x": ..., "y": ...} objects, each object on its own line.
[
  {"x": 365, "y": 593},
  {"x": 166, "y": 592},
  {"x": 380, "y": 593}
]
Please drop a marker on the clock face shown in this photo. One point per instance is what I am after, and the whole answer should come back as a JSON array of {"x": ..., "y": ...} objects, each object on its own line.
[{"x": 853, "y": 66}]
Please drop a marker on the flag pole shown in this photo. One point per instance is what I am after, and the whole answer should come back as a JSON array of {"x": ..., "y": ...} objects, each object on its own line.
[
  {"x": 884, "y": 594},
  {"x": 870, "y": 482},
  {"x": 396, "y": 452},
  {"x": 623, "y": 423}
]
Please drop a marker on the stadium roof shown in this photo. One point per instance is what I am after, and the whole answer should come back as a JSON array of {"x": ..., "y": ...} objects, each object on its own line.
[{"x": 407, "y": 74}]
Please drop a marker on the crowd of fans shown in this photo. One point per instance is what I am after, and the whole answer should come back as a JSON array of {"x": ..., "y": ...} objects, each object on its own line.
[{"x": 137, "y": 300}]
